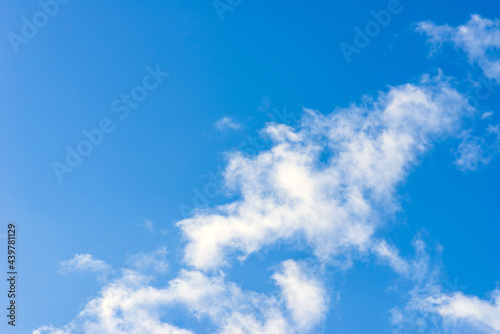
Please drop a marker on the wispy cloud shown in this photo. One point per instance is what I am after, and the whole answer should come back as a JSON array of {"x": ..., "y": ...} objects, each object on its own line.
[
  {"x": 471, "y": 154},
  {"x": 155, "y": 261},
  {"x": 131, "y": 305},
  {"x": 432, "y": 309},
  {"x": 86, "y": 263},
  {"x": 390, "y": 254},
  {"x": 148, "y": 225},
  {"x": 479, "y": 38},
  {"x": 480, "y": 313},
  {"x": 305, "y": 296},
  {"x": 226, "y": 123}
]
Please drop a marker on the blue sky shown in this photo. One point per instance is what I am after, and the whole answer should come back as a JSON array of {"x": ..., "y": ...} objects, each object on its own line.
[{"x": 247, "y": 174}]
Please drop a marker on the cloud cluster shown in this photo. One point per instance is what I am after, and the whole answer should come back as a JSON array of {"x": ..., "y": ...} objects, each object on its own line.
[
  {"x": 460, "y": 307},
  {"x": 471, "y": 154},
  {"x": 475, "y": 151},
  {"x": 328, "y": 185},
  {"x": 479, "y": 38},
  {"x": 327, "y": 181},
  {"x": 131, "y": 304},
  {"x": 84, "y": 262}
]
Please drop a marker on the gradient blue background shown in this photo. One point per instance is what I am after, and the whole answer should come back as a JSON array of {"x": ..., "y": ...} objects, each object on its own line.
[{"x": 65, "y": 78}]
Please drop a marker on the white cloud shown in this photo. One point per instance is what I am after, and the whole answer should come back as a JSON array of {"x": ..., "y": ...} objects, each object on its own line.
[
  {"x": 51, "y": 329},
  {"x": 227, "y": 123},
  {"x": 486, "y": 115},
  {"x": 84, "y": 262},
  {"x": 390, "y": 254},
  {"x": 479, "y": 38},
  {"x": 131, "y": 304},
  {"x": 474, "y": 152},
  {"x": 288, "y": 192},
  {"x": 459, "y": 307},
  {"x": 155, "y": 261},
  {"x": 431, "y": 309},
  {"x": 417, "y": 314},
  {"x": 305, "y": 296},
  {"x": 124, "y": 306},
  {"x": 470, "y": 154}
]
